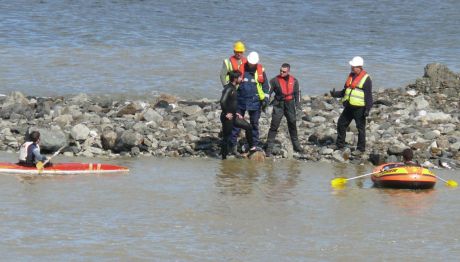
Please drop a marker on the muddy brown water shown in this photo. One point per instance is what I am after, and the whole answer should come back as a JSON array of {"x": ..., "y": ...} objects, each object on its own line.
[{"x": 237, "y": 210}]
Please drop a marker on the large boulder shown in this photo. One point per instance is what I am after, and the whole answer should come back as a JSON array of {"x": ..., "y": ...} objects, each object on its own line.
[
  {"x": 51, "y": 139},
  {"x": 440, "y": 76},
  {"x": 108, "y": 139},
  {"x": 152, "y": 115},
  {"x": 126, "y": 141},
  {"x": 80, "y": 132},
  {"x": 17, "y": 104},
  {"x": 131, "y": 108}
]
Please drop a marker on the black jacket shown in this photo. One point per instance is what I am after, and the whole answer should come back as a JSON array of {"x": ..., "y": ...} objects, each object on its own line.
[{"x": 228, "y": 101}]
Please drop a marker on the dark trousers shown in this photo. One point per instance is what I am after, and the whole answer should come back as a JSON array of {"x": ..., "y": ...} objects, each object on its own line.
[
  {"x": 349, "y": 114},
  {"x": 280, "y": 109},
  {"x": 254, "y": 116},
  {"x": 31, "y": 164},
  {"x": 227, "y": 126}
]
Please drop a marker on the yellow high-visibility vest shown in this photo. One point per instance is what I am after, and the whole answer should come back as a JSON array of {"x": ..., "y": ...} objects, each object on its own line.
[{"x": 355, "y": 96}]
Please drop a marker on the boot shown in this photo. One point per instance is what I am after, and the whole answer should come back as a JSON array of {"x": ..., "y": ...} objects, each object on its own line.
[
  {"x": 234, "y": 150},
  {"x": 268, "y": 150},
  {"x": 297, "y": 148}
]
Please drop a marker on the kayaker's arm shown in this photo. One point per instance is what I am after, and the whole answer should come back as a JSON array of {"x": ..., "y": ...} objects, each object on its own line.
[{"x": 38, "y": 156}]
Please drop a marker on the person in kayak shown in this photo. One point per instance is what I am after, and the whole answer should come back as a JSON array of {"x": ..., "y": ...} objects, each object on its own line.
[
  {"x": 29, "y": 152},
  {"x": 408, "y": 156},
  {"x": 229, "y": 116}
]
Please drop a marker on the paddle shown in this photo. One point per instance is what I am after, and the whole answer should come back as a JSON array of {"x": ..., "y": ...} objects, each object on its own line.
[
  {"x": 40, "y": 165},
  {"x": 341, "y": 181},
  {"x": 451, "y": 183}
]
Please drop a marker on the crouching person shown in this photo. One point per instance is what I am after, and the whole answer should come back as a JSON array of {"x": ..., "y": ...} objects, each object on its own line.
[{"x": 229, "y": 117}]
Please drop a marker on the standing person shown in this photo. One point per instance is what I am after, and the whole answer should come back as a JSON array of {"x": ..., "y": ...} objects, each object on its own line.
[
  {"x": 29, "y": 152},
  {"x": 234, "y": 62},
  {"x": 252, "y": 96},
  {"x": 287, "y": 99},
  {"x": 229, "y": 116},
  {"x": 357, "y": 100}
]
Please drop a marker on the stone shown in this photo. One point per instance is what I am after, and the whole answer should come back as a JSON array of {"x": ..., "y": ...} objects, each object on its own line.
[
  {"x": 51, "y": 139},
  {"x": 420, "y": 103},
  {"x": 432, "y": 134},
  {"x": 191, "y": 110},
  {"x": 152, "y": 115},
  {"x": 80, "y": 132},
  {"x": 326, "y": 151},
  {"x": 108, "y": 139},
  {"x": 63, "y": 120},
  {"x": 318, "y": 119},
  {"x": 126, "y": 141},
  {"x": 130, "y": 109}
]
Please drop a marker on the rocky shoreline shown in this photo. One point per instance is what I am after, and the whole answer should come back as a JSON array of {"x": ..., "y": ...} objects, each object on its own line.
[{"x": 423, "y": 115}]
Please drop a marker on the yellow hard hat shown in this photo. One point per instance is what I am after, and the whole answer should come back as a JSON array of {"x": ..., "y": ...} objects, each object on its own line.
[{"x": 239, "y": 47}]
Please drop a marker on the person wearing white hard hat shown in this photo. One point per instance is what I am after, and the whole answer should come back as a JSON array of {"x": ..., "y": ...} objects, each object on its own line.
[
  {"x": 234, "y": 62},
  {"x": 357, "y": 101},
  {"x": 252, "y": 97}
]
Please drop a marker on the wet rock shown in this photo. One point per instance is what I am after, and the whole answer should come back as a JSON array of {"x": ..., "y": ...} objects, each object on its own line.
[
  {"x": 126, "y": 141},
  {"x": 130, "y": 109},
  {"x": 152, "y": 115},
  {"x": 63, "y": 120},
  {"x": 80, "y": 132},
  {"x": 376, "y": 158},
  {"x": 51, "y": 139},
  {"x": 338, "y": 156},
  {"x": 432, "y": 134},
  {"x": 396, "y": 149},
  {"x": 435, "y": 117},
  {"x": 420, "y": 103},
  {"x": 391, "y": 158}
]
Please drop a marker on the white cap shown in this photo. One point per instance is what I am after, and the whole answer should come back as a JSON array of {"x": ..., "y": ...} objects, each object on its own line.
[
  {"x": 356, "y": 61},
  {"x": 253, "y": 58}
]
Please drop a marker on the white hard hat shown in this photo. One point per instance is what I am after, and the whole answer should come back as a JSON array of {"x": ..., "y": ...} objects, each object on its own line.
[
  {"x": 253, "y": 58},
  {"x": 356, "y": 61}
]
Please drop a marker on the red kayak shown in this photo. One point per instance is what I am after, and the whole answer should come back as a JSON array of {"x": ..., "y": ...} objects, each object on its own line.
[{"x": 62, "y": 169}]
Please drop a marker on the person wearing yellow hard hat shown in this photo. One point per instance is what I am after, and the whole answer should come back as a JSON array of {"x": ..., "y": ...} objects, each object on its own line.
[
  {"x": 357, "y": 101},
  {"x": 234, "y": 62}
]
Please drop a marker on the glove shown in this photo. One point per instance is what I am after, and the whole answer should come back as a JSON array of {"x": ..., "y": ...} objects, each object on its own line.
[
  {"x": 366, "y": 113},
  {"x": 265, "y": 105},
  {"x": 332, "y": 92}
]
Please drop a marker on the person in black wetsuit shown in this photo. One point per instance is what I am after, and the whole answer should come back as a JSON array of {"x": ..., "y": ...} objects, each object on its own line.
[{"x": 229, "y": 116}]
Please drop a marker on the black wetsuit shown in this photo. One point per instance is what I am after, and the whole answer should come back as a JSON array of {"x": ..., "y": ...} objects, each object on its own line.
[{"x": 229, "y": 104}]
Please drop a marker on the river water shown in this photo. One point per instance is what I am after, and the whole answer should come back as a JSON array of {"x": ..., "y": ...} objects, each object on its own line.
[
  {"x": 208, "y": 209},
  {"x": 55, "y": 47},
  {"x": 213, "y": 210}
]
